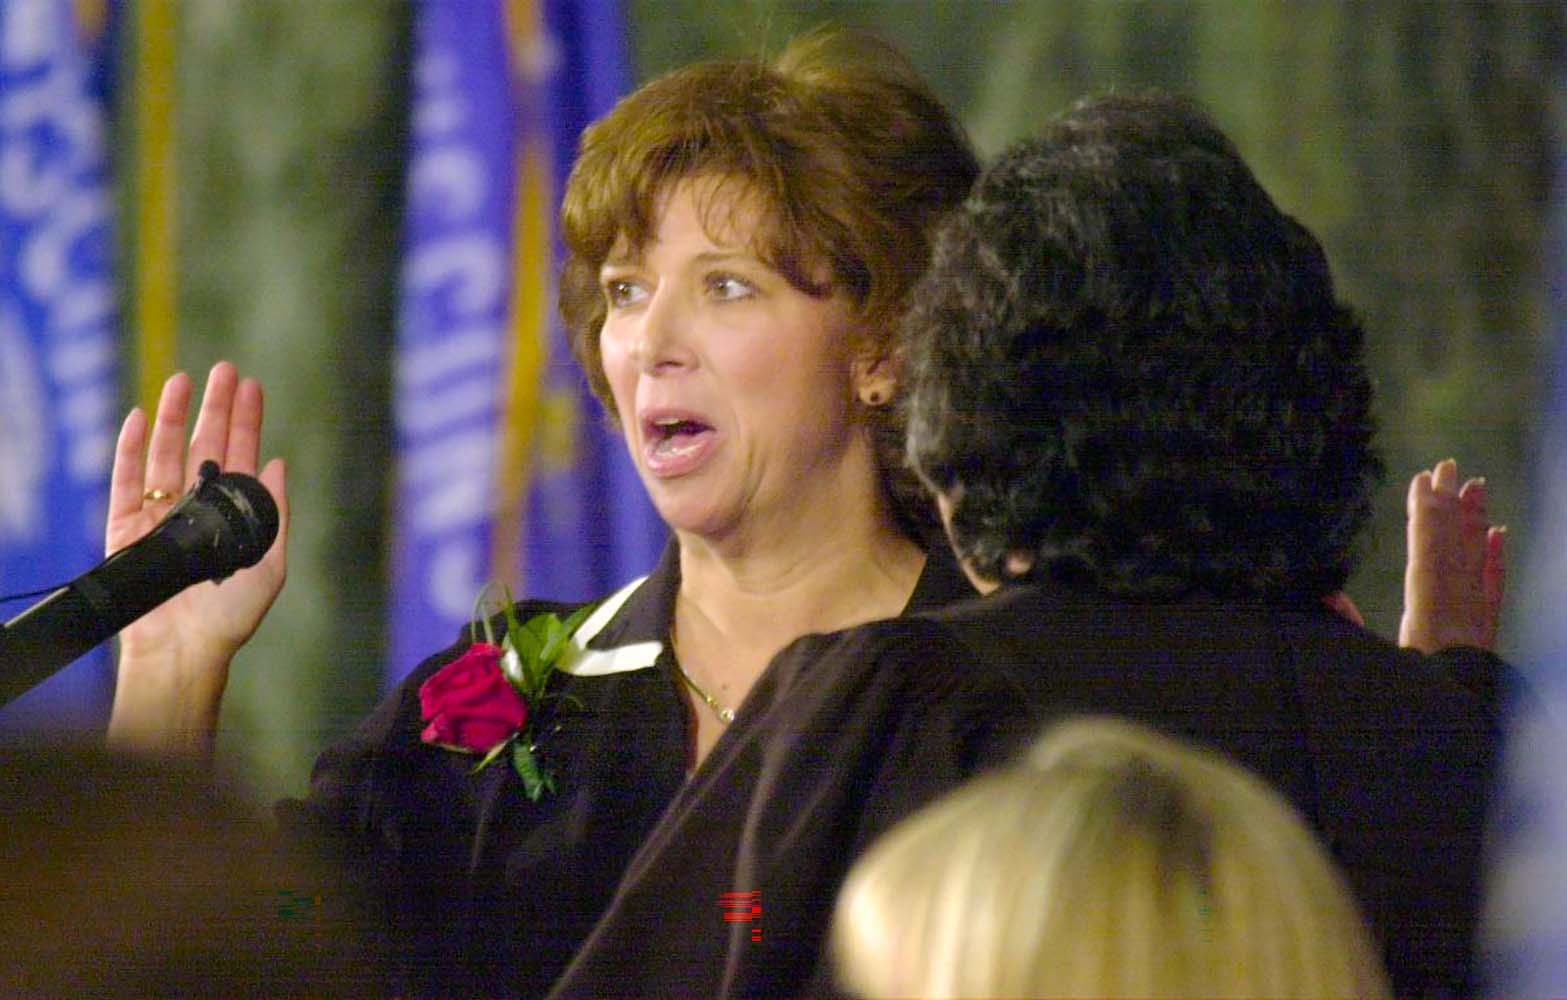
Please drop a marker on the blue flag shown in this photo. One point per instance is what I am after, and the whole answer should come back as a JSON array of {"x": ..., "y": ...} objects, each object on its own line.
[
  {"x": 1528, "y": 911},
  {"x": 59, "y": 388},
  {"x": 507, "y": 469}
]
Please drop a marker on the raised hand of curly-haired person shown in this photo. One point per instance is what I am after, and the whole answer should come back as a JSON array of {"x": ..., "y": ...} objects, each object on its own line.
[{"x": 1453, "y": 580}]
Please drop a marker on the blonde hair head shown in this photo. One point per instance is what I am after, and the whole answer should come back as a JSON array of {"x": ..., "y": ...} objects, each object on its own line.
[{"x": 1112, "y": 861}]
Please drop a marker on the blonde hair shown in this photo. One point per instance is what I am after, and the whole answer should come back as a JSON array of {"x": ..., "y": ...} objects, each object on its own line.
[{"x": 1112, "y": 861}]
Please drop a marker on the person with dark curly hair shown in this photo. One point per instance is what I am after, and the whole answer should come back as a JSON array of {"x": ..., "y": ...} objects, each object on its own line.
[
  {"x": 1135, "y": 373},
  {"x": 1148, "y": 421}
]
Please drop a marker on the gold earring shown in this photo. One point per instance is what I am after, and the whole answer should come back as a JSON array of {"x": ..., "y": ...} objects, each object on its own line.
[{"x": 873, "y": 397}]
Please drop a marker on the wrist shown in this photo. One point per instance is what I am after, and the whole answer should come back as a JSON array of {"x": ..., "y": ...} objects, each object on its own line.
[{"x": 164, "y": 706}]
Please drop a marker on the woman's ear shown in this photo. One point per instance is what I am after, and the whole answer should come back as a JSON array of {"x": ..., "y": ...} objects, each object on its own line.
[{"x": 875, "y": 379}]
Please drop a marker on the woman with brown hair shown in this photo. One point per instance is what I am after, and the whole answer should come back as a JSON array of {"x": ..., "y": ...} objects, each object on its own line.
[{"x": 741, "y": 237}]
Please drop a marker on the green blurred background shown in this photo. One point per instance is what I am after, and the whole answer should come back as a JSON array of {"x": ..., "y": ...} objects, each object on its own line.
[{"x": 1416, "y": 138}]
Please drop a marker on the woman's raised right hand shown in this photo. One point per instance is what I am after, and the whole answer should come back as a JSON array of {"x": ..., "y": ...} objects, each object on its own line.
[{"x": 174, "y": 660}]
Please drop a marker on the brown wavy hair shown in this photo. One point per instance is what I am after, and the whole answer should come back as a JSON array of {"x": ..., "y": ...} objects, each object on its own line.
[{"x": 847, "y": 152}]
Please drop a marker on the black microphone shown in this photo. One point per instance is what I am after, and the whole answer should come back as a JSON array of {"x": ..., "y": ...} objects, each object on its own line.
[{"x": 227, "y": 521}]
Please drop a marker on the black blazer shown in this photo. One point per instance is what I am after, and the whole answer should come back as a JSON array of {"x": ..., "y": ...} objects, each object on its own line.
[
  {"x": 483, "y": 892},
  {"x": 1390, "y": 755}
]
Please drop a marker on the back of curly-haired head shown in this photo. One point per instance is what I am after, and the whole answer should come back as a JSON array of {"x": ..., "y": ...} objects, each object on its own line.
[{"x": 1129, "y": 365}]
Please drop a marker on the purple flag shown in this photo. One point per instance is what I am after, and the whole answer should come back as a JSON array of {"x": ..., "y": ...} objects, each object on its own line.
[
  {"x": 507, "y": 470},
  {"x": 59, "y": 389}
]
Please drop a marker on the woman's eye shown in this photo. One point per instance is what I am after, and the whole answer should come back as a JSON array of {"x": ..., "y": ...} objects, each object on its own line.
[
  {"x": 726, "y": 287},
  {"x": 620, "y": 292}
]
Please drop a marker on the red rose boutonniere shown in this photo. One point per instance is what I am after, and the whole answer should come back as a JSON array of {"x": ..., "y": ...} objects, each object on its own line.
[
  {"x": 469, "y": 704},
  {"x": 483, "y": 701}
]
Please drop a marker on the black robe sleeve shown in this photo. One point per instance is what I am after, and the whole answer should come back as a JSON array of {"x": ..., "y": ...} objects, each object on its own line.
[{"x": 1406, "y": 762}]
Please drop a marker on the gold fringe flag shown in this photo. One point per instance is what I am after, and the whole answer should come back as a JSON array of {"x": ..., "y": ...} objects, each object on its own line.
[{"x": 154, "y": 314}]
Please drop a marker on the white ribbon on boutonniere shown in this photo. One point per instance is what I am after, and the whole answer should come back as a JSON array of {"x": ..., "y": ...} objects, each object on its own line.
[{"x": 580, "y": 661}]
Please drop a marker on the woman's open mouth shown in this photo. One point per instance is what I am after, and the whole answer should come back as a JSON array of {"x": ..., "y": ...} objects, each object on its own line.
[{"x": 674, "y": 445}]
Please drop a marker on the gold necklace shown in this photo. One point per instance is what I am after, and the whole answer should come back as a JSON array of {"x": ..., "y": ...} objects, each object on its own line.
[{"x": 725, "y": 715}]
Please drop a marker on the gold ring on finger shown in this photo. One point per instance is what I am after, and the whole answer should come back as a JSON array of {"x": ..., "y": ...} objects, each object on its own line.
[{"x": 158, "y": 496}]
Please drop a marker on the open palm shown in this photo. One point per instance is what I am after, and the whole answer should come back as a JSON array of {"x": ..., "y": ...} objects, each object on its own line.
[
  {"x": 1455, "y": 574},
  {"x": 186, "y": 643}
]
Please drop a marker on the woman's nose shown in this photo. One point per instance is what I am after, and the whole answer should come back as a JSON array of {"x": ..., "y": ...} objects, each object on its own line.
[{"x": 661, "y": 344}]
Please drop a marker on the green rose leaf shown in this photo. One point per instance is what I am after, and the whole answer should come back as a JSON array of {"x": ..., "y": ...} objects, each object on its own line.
[
  {"x": 493, "y": 755},
  {"x": 555, "y": 637},
  {"x": 528, "y": 640},
  {"x": 534, "y": 781},
  {"x": 560, "y": 632}
]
